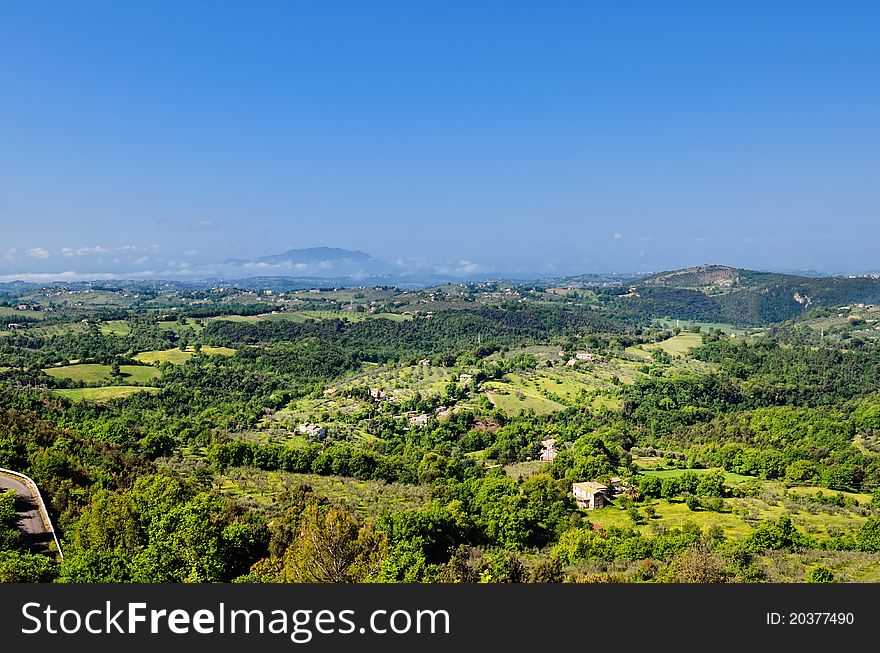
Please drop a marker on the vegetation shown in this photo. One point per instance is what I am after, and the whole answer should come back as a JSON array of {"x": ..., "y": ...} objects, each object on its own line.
[{"x": 189, "y": 434}]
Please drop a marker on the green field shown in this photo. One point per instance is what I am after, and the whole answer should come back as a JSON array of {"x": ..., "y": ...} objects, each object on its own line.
[
  {"x": 639, "y": 351},
  {"x": 236, "y": 318},
  {"x": 517, "y": 471},
  {"x": 71, "y": 328},
  {"x": 367, "y": 497},
  {"x": 513, "y": 396},
  {"x": 546, "y": 391},
  {"x": 9, "y": 312},
  {"x": 705, "y": 327},
  {"x": 103, "y": 394},
  {"x": 352, "y": 316},
  {"x": 119, "y": 328},
  {"x": 302, "y": 316},
  {"x": 680, "y": 344},
  {"x": 191, "y": 326},
  {"x": 730, "y": 477},
  {"x": 176, "y": 356},
  {"x": 97, "y": 373},
  {"x": 740, "y": 517},
  {"x": 566, "y": 386}
]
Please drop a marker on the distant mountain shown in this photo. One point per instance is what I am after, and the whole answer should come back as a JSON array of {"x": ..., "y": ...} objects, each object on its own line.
[
  {"x": 316, "y": 255},
  {"x": 319, "y": 262}
]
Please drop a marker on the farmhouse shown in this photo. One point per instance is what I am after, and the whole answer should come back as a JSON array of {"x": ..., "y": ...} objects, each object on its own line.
[
  {"x": 589, "y": 495},
  {"x": 419, "y": 420},
  {"x": 584, "y": 356},
  {"x": 312, "y": 430},
  {"x": 548, "y": 450}
]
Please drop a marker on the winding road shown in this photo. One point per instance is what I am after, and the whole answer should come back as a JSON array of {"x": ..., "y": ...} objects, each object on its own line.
[{"x": 34, "y": 529}]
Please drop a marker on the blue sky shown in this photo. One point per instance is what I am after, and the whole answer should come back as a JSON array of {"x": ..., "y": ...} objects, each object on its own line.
[{"x": 162, "y": 137}]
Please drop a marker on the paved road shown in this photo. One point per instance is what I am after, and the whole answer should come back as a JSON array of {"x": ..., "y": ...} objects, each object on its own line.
[{"x": 30, "y": 522}]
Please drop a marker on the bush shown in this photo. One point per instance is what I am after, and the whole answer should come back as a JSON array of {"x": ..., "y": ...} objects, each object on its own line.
[{"x": 820, "y": 575}]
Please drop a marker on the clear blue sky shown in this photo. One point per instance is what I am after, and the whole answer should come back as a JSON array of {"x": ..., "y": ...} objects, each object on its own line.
[{"x": 559, "y": 136}]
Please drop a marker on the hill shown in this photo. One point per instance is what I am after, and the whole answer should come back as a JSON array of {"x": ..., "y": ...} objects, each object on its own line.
[{"x": 718, "y": 293}]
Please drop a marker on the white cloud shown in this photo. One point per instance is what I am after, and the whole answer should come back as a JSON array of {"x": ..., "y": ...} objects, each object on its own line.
[
  {"x": 70, "y": 275},
  {"x": 203, "y": 224},
  {"x": 191, "y": 252},
  {"x": 137, "y": 248},
  {"x": 38, "y": 252},
  {"x": 83, "y": 251},
  {"x": 617, "y": 235},
  {"x": 142, "y": 260},
  {"x": 467, "y": 267},
  {"x": 11, "y": 254}
]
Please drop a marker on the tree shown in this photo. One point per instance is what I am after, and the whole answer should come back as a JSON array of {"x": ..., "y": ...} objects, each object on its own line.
[
  {"x": 21, "y": 567},
  {"x": 696, "y": 565},
  {"x": 777, "y": 535},
  {"x": 669, "y": 487},
  {"x": 711, "y": 484},
  {"x": 650, "y": 486},
  {"x": 820, "y": 575},
  {"x": 10, "y": 536},
  {"x": 547, "y": 571},
  {"x": 405, "y": 563},
  {"x": 333, "y": 547},
  {"x": 466, "y": 565},
  {"x": 504, "y": 567},
  {"x": 868, "y": 536}
]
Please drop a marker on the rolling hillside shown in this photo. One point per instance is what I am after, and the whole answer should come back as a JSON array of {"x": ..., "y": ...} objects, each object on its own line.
[{"x": 746, "y": 297}]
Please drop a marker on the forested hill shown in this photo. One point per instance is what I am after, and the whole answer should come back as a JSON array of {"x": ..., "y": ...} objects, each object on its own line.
[{"x": 715, "y": 293}]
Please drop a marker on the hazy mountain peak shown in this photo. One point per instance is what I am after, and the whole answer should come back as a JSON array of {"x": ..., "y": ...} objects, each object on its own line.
[{"x": 312, "y": 255}]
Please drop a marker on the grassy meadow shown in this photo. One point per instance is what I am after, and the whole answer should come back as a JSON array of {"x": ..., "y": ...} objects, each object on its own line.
[
  {"x": 100, "y": 395},
  {"x": 177, "y": 356},
  {"x": 95, "y": 373}
]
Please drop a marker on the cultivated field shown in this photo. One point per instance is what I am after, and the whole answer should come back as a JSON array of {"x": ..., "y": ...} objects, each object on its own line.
[
  {"x": 367, "y": 497},
  {"x": 176, "y": 356},
  {"x": 99, "y": 395},
  {"x": 96, "y": 373},
  {"x": 119, "y": 328},
  {"x": 302, "y": 316}
]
